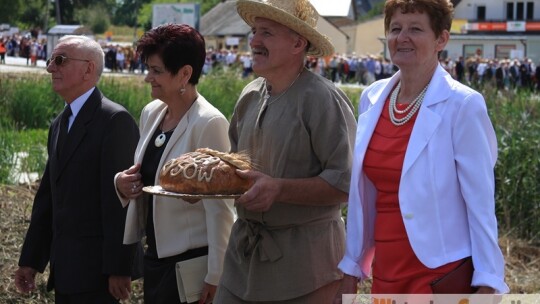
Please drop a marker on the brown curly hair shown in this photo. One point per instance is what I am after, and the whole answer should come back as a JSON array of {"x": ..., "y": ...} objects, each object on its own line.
[{"x": 440, "y": 12}]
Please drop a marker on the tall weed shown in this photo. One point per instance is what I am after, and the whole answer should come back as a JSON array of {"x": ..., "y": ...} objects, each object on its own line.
[
  {"x": 21, "y": 153},
  {"x": 28, "y": 102},
  {"x": 222, "y": 88},
  {"x": 516, "y": 118},
  {"x": 131, "y": 92}
]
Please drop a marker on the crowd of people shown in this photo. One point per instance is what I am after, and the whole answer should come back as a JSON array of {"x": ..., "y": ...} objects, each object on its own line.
[
  {"x": 25, "y": 46},
  {"x": 503, "y": 74},
  {"x": 420, "y": 155}
]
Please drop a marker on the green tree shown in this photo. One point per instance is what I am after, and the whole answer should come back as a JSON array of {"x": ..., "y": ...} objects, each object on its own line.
[
  {"x": 127, "y": 12},
  {"x": 96, "y": 14},
  {"x": 24, "y": 14},
  {"x": 9, "y": 11},
  {"x": 94, "y": 17},
  {"x": 32, "y": 16},
  {"x": 68, "y": 8}
]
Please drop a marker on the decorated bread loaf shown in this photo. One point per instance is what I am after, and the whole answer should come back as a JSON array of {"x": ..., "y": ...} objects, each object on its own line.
[{"x": 205, "y": 171}]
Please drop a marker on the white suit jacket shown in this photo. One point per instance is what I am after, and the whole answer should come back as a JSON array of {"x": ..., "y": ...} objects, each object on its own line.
[
  {"x": 447, "y": 188},
  {"x": 180, "y": 226}
]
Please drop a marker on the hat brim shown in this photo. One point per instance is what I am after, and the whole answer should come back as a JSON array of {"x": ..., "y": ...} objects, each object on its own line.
[{"x": 320, "y": 45}]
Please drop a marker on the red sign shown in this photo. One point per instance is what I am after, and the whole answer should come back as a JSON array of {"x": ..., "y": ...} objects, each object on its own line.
[
  {"x": 532, "y": 26},
  {"x": 509, "y": 26},
  {"x": 492, "y": 26},
  {"x": 498, "y": 26}
]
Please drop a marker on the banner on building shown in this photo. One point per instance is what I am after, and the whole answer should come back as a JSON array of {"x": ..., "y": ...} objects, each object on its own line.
[{"x": 179, "y": 13}]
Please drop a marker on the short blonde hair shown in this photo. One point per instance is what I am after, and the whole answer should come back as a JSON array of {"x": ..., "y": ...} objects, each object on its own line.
[{"x": 440, "y": 12}]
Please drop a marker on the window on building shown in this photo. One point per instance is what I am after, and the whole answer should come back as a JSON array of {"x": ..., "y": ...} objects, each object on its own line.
[
  {"x": 503, "y": 51},
  {"x": 510, "y": 11},
  {"x": 473, "y": 50},
  {"x": 530, "y": 10},
  {"x": 519, "y": 10},
  {"x": 481, "y": 13}
]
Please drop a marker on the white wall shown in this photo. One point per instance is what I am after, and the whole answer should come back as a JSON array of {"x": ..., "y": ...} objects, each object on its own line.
[
  {"x": 337, "y": 37},
  {"x": 365, "y": 37},
  {"x": 495, "y": 9},
  {"x": 533, "y": 49},
  {"x": 455, "y": 46}
]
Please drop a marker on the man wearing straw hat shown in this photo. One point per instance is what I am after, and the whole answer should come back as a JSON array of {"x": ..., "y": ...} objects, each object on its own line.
[{"x": 299, "y": 130}]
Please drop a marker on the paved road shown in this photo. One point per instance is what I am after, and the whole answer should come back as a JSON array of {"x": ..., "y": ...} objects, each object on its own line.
[{"x": 16, "y": 64}]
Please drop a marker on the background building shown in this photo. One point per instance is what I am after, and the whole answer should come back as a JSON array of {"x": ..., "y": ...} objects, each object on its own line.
[
  {"x": 485, "y": 28},
  {"x": 223, "y": 28},
  {"x": 496, "y": 29}
]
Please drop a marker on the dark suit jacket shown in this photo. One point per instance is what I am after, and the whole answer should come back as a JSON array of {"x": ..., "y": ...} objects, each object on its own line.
[{"x": 77, "y": 220}]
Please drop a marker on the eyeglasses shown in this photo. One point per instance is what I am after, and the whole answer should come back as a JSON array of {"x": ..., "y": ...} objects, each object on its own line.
[{"x": 61, "y": 59}]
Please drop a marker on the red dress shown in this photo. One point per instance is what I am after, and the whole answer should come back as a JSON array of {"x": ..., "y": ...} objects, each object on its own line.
[{"x": 396, "y": 269}]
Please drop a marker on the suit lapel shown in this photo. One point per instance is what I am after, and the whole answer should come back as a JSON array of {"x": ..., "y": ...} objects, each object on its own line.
[
  {"x": 177, "y": 134},
  {"x": 152, "y": 123},
  {"x": 53, "y": 154},
  {"x": 78, "y": 129},
  {"x": 428, "y": 119}
]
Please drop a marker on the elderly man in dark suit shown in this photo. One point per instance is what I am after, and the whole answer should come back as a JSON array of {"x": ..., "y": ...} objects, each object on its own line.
[{"x": 77, "y": 222}]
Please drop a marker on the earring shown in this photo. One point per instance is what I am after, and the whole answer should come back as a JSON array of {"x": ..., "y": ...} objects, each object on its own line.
[{"x": 182, "y": 91}]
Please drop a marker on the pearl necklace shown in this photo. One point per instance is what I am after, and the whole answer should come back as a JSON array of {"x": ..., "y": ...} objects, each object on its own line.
[{"x": 411, "y": 109}]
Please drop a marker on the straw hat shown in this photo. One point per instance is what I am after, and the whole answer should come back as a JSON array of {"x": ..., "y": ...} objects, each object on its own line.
[{"x": 298, "y": 15}]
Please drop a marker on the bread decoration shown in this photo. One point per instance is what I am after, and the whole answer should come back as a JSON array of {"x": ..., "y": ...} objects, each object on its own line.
[{"x": 206, "y": 171}]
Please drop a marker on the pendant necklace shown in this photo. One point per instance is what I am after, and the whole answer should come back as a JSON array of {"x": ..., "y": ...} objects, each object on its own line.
[{"x": 161, "y": 138}]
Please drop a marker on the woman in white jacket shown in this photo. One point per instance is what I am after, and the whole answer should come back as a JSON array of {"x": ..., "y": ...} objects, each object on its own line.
[
  {"x": 421, "y": 201},
  {"x": 179, "y": 120}
]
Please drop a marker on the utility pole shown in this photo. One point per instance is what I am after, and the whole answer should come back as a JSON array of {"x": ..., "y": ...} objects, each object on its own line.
[
  {"x": 58, "y": 16},
  {"x": 46, "y": 21},
  {"x": 136, "y": 22}
]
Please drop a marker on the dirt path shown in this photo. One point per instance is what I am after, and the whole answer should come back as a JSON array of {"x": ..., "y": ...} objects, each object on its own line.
[{"x": 522, "y": 258}]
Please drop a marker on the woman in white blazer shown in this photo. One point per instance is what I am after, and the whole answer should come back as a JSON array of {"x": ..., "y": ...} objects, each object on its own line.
[
  {"x": 421, "y": 200},
  {"x": 180, "y": 120}
]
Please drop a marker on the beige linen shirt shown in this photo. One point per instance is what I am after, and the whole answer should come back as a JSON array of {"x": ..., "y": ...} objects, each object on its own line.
[{"x": 290, "y": 250}]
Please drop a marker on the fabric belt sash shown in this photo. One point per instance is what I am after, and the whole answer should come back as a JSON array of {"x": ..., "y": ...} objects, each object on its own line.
[{"x": 255, "y": 237}]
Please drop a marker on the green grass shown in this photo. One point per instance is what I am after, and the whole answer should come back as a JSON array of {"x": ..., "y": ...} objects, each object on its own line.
[
  {"x": 24, "y": 151},
  {"x": 27, "y": 102},
  {"x": 222, "y": 88},
  {"x": 28, "y": 105},
  {"x": 516, "y": 117},
  {"x": 131, "y": 92}
]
